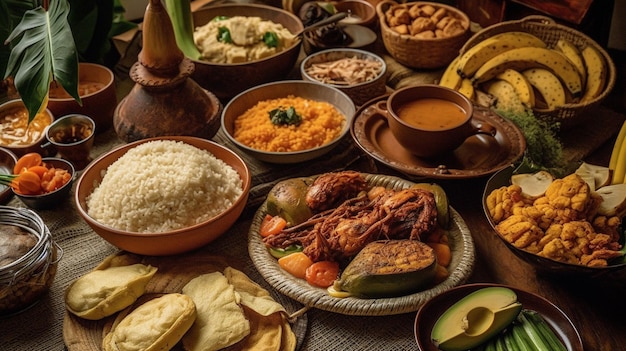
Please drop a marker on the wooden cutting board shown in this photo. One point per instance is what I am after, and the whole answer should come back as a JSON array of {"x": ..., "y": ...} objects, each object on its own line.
[{"x": 173, "y": 273}]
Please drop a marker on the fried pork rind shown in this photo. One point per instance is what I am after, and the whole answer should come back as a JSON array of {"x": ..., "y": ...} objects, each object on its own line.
[
  {"x": 104, "y": 291},
  {"x": 562, "y": 225},
  {"x": 220, "y": 320},
  {"x": 520, "y": 231},
  {"x": 155, "y": 325},
  {"x": 502, "y": 201}
]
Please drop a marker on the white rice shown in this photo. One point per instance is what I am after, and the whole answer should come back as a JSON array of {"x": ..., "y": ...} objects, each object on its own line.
[{"x": 163, "y": 185}]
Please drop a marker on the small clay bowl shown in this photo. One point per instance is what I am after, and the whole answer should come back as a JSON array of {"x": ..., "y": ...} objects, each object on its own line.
[
  {"x": 21, "y": 143},
  {"x": 54, "y": 198},
  {"x": 422, "y": 131},
  {"x": 96, "y": 87},
  {"x": 72, "y": 136},
  {"x": 359, "y": 12}
]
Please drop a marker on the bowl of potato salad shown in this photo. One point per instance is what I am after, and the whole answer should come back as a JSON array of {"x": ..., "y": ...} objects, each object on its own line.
[{"x": 244, "y": 45}]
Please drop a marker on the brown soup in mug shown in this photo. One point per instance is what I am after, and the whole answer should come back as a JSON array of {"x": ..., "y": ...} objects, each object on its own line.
[{"x": 431, "y": 114}]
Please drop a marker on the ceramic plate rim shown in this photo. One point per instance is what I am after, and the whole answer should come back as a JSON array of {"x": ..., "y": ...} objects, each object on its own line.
[{"x": 432, "y": 172}]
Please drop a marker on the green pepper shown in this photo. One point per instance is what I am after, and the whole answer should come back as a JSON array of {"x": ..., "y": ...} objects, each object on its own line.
[
  {"x": 219, "y": 18},
  {"x": 271, "y": 39},
  {"x": 223, "y": 35},
  {"x": 278, "y": 252}
]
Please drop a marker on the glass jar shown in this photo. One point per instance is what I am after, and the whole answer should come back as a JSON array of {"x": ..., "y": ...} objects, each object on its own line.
[{"x": 25, "y": 277}]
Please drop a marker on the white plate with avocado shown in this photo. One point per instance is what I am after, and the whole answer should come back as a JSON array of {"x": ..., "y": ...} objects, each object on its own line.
[
  {"x": 460, "y": 267},
  {"x": 428, "y": 316}
]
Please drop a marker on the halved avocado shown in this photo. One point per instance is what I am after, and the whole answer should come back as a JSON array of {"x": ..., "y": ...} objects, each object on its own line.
[
  {"x": 475, "y": 318},
  {"x": 388, "y": 268},
  {"x": 287, "y": 200}
]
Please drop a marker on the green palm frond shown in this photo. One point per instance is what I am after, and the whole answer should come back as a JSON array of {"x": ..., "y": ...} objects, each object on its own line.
[{"x": 43, "y": 50}]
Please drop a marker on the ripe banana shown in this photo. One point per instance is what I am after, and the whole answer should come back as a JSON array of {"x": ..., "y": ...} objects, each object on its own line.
[
  {"x": 450, "y": 78},
  {"x": 182, "y": 22},
  {"x": 548, "y": 85},
  {"x": 619, "y": 141},
  {"x": 574, "y": 55},
  {"x": 532, "y": 57},
  {"x": 467, "y": 88},
  {"x": 596, "y": 73},
  {"x": 522, "y": 86},
  {"x": 505, "y": 94},
  {"x": 619, "y": 172},
  {"x": 477, "y": 55}
]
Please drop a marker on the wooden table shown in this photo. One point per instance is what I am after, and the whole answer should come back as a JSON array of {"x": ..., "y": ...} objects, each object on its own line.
[{"x": 596, "y": 306}]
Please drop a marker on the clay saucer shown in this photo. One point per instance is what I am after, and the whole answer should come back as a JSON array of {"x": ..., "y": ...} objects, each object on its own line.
[{"x": 479, "y": 155}]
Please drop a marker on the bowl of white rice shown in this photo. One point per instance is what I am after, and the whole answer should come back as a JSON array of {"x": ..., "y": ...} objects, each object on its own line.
[{"x": 163, "y": 195}]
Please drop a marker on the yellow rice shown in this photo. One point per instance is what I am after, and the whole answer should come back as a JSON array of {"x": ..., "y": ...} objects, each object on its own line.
[{"x": 321, "y": 124}]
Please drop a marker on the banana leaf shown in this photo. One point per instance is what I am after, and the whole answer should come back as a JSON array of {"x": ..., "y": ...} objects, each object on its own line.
[{"x": 43, "y": 50}]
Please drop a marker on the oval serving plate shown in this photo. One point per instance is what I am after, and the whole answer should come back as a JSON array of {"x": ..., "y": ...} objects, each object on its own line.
[
  {"x": 461, "y": 266},
  {"x": 429, "y": 313},
  {"x": 478, "y": 156},
  {"x": 173, "y": 273}
]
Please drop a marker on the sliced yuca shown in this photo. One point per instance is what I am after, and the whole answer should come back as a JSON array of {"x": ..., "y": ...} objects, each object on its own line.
[
  {"x": 102, "y": 292},
  {"x": 220, "y": 320},
  {"x": 153, "y": 326}
]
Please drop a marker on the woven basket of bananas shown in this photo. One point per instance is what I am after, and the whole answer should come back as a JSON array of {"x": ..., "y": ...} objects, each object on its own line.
[
  {"x": 557, "y": 71},
  {"x": 422, "y": 34}
]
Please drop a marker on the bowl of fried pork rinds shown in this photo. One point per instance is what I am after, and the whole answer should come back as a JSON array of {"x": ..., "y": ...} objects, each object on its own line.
[{"x": 560, "y": 230}]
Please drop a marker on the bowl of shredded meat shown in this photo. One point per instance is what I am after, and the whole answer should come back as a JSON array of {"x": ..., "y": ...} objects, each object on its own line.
[
  {"x": 558, "y": 231},
  {"x": 359, "y": 73}
]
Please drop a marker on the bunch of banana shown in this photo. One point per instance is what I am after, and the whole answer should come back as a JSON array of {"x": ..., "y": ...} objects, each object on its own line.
[{"x": 520, "y": 71}]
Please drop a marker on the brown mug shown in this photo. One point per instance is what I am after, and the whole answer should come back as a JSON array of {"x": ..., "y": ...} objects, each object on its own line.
[{"x": 430, "y": 120}]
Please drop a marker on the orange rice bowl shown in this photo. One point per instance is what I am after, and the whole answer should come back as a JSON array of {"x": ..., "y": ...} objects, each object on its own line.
[{"x": 325, "y": 116}]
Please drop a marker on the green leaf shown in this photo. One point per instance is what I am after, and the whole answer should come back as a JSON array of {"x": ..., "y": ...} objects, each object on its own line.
[
  {"x": 45, "y": 50},
  {"x": 11, "y": 12}
]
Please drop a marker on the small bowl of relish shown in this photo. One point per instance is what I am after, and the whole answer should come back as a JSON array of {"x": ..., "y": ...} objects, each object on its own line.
[{"x": 72, "y": 136}]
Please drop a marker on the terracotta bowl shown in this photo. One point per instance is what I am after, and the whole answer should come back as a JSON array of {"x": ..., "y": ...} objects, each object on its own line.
[
  {"x": 55, "y": 198},
  {"x": 308, "y": 90},
  {"x": 33, "y": 144},
  {"x": 227, "y": 80},
  {"x": 359, "y": 12},
  {"x": 98, "y": 104},
  {"x": 170, "y": 242},
  {"x": 360, "y": 92}
]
